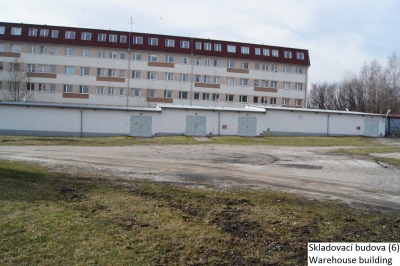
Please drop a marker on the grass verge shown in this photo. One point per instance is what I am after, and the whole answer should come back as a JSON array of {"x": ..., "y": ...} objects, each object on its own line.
[{"x": 51, "y": 218}]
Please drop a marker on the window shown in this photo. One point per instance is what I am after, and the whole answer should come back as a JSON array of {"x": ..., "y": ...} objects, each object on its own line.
[
  {"x": 231, "y": 64},
  {"x": 198, "y": 45},
  {"x": 245, "y": 50},
  {"x": 16, "y": 31},
  {"x": 121, "y": 91},
  {"x": 272, "y": 100},
  {"x": 69, "y": 70},
  {"x": 85, "y": 71},
  {"x": 123, "y": 38},
  {"x": 169, "y": 76},
  {"x": 185, "y": 44},
  {"x": 70, "y": 35},
  {"x": 54, "y": 34},
  {"x": 152, "y": 75},
  {"x": 286, "y": 85},
  {"x": 32, "y": 49},
  {"x": 151, "y": 93},
  {"x": 217, "y": 62},
  {"x": 101, "y": 72},
  {"x": 112, "y": 72},
  {"x": 15, "y": 66},
  {"x": 184, "y": 60},
  {"x": 265, "y": 67},
  {"x": 243, "y": 98},
  {"x": 207, "y": 62},
  {"x": 230, "y": 81},
  {"x": 136, "y": 74},
  {"x": 217, "y": 80},
  {"x": 53, "y": 69},
  {"x": 43, "y": 49},
  {"x": 137, "y": 40},
  {"x": 42, "y": 68},
  {"x": 32, "y": 32},
  {"x": 15, "y": 48},
  {"x": 122, "y": 73},
  {"x": 136, "y": 92},
  {"x": 184, "y": 77},
  {"x": 264, "y": 83},
  {"x": 299, "y": 70},
  {"x": 207, "y": 46},
  {"x": 1, "y": 67},
  {"x": 231, "y": 49},
  {"x": 215, "y": 96},
  {"x": 153, "y": 41},
  {"x": 256, "y": 83},
  {"x": 217, "y": 47},
  {"x": 244, "y": 65},
  {"x": 300, "y": 56},
  {"x": 244, "y": 82},
  {"x": 44, "y": 33},
  {"x": 101, "y": 37},
  {"x": 153, "y": 58},
  {"x": 196, "y": 96},
  {"x": 86, "y": 36},
  {"x": 1, "y": 47},
  {"x": 229, "y": 97},
  {"x": 167, "y": 94},
  {"x": 68, "y": 88},
  {"x": 265, "y": 52},
  {"x": 197, "y": 61},
  {"x": 257, "y": 51},
  {"x": 169, "y": 43},
  {"x": 85, "y": 52},
  {"x": 206, "y": 96},
  {"x": 197, "y": 79},
  {"x": 84, "y": 89},
  {"x": 207, "y": 79},
  {"x": 275, "y": 53},
  {"x": 100, "y": 90},
  {"x": 255, "y": 99},
  {"x": 112, "y": 55},
  {"x": 263, "y": 99},
  {"x": 274, "y": 68},
  {"x": 183, "y": 95},
  {"x": 257, "y": 67},
  {"x": 52, "y": 87},
  {"x": 274, "y": 84},
  {"x": 113, "y": 38},
  {"x": 31, "y": 68},
  {"x": 101, "y": 54},
  {"x": 110, "y": 91},
  {"x": 299, "y": 86},
  {"x": 288, "y": 54},
  {"x": 53, "y": 51},
  {"x": 297, "y": 102},
  {"x": 285, "y": 101},
  {"x": 30, "y": 86},
  {"x": 122, "y": 56},
  {"x": 69, "y": 51},
  {"x": 287, "y": 69},
  {"x": 2, "y": 29},
  {"x": 137, "y": 57},
  {"x": 169, "y": 59}
]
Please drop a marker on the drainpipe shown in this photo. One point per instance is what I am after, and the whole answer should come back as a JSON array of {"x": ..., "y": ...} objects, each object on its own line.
[{"x": 327, "y": 126}]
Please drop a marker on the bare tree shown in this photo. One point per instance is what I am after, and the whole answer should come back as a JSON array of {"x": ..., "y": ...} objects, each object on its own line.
[
  {"x": 16, "y": 88},
  {"x": 392, "y": 75}
]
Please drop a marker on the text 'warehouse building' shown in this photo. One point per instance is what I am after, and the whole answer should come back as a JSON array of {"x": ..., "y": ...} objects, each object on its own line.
[{"x": 104, "y": 67}]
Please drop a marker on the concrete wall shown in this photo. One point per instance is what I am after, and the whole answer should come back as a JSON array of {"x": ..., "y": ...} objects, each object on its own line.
[{"x": 91, "y": 121}]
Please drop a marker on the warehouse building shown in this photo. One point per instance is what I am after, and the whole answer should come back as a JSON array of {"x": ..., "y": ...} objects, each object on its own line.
[{"x": 131, "y": 69}]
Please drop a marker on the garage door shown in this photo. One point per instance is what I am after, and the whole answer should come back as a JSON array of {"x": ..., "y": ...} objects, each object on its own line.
[
  {"x": 371, "y": 128},
  {"x": 247, "y": 126},
  {"x": 141, "y": 126},
  {"x": 196, "y": 125}
]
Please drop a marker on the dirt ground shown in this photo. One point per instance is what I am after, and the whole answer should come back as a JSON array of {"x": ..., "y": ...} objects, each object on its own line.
[{"x": 308, "y": 171}]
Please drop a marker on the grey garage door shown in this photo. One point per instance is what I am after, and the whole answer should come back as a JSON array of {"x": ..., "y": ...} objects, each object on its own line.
[
  {"x": 141, "y": 126},
  {"x": 196, "y": 125},
  {"x": 247, "y": 126},
  {"x": 371, "y": 128}
]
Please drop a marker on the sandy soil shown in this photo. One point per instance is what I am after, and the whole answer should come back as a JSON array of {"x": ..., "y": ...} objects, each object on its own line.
[{"x": 309, "y": 171}]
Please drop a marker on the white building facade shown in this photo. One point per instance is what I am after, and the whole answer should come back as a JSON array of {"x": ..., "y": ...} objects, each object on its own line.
[{"x": 103, "y": 67}]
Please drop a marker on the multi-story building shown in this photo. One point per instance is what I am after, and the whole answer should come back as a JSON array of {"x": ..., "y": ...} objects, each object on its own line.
[{"x": 105, "y": 67}]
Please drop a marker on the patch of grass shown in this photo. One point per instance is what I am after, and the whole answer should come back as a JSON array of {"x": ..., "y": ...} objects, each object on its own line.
[
  {"x": 367, "y": 151},
  {"x": 52, "y": 218},
  {"x": 175, "y": 140}
]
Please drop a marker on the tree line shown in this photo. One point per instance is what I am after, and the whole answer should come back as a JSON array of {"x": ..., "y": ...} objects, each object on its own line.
[{"x": 376, "y": 89}]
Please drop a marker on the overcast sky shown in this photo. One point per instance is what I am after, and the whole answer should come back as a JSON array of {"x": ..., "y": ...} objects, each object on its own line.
[{"x": 340, "y": 35}]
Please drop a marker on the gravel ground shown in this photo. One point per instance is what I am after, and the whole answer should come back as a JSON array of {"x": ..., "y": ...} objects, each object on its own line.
[{"x": 308, "y": 171}]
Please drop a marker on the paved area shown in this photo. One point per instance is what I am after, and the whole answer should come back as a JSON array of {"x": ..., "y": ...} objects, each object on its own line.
[{"x": 309, "y": 171}]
